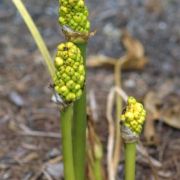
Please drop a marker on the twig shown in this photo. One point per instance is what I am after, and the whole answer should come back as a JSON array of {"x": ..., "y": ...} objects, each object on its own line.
[
  {"x": 30, "y": 146},
  {"x": 101, "y": 60},
  {"x": 93, "y": 105},
  {"x": 121, "y": 93},
  {"x": 55, "y": 160},
  {"x": 28, "y": 132},
  {"x": 111, "y": 125},
  {"x": 152, "y": 162},
  {"x": 46, "y": 174},
  {"x": 110, "y": 144},
  {"x": 117, "y": 144}
]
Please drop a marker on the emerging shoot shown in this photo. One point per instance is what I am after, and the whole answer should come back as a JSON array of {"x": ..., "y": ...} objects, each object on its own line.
[
  {"x": 134, "y": 116},
  {"x": 132, "y": 122}
]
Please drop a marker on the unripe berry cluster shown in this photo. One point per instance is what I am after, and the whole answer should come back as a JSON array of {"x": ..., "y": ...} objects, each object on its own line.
[
  {"x": 134, "y": 115},
  {"x": 70, "y": 73},
  {"x": 74, "y": 14}
]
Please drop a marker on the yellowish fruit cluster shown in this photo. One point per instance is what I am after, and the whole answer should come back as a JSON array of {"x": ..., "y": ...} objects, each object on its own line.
[
  {"x": 70, "y": 73},
  {"x": 134, "y": 115},
  {"x": 74, "y": 14}
]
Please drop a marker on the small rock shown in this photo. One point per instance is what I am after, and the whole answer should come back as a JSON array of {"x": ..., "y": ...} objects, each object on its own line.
[
  {"x": 130, "y": 83},
  {"x": 7, "y": 176},
  {"x": 55, "y": 170},
  {"x": 16, "y": 99},
  {"x": 27, "y": 176},
  {"x": 53, "y": 153}
]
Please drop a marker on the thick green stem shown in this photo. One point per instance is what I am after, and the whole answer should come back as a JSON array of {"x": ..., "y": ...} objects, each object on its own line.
[
  {"x": 130, "y": 160},
  {"x": 79, "y": 129},
  {"x": 66, "y": 131}
]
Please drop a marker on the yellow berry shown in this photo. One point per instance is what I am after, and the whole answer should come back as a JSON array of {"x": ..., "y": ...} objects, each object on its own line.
[
  {"x": 123, "y": 117},
  {"x": 129, "y": 115},
  {"x": 134, "y": 116},
  {"x": 58, "y": 61},
  {"x": 131, "y": 100}
]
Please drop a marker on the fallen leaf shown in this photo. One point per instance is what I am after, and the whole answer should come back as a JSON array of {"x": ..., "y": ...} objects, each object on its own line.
[
  {"x": 150, "y": 103},
  {"x": 30, "y": 157},
  {"x": 162, "y": 105},
  {"x": 132, "y": 45},
  {"x": 166, "y": 104},
  {"x": 100, "y": 60},
  {"x": 135, "y": 54},
  {"x": 170, "y": 113},
  {"x": 154, "y": 6},
  {"x": 134, "y": 57}
]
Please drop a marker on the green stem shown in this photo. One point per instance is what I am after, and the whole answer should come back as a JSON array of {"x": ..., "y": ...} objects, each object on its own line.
[
  {"x": 97, "y": 170},
  {"x": 66, "y": 131},
  {"x": 79, "y": 129},
  {"x": 130, "y": 160}
]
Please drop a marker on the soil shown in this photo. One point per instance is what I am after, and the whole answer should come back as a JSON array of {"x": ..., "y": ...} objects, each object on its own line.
[{"x": 26, "y": 109}]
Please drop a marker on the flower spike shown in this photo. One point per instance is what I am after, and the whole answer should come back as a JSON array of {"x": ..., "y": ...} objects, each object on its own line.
[
  {"x": 74, "y": 14},
  {"x": 134, "y": 116},
  {"x": 70, "y": 73}
]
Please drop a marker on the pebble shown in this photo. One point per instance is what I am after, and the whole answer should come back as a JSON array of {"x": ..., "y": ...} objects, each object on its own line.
[{"x": 16, "y": 99}]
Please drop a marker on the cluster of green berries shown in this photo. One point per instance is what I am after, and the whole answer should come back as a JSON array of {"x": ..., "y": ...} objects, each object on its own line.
[
  {"x": 134, "y": 115},
  {"x": 74, "y": 14},
  {"x": 70, "y": 73}
]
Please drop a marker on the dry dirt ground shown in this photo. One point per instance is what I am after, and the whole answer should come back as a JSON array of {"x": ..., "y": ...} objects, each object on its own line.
[{"x": 26, "y": 111}]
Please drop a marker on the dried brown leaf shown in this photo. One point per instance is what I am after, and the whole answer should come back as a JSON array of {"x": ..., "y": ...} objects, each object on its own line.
[
  {"x": 100, "y": 60},
  {"x": 135, "y": 57},
  {"x": 170, "y": 113},
  {"x": 132, "y": 45},
  {"x": 163, "y": 105},
  {"x": 154, "y": 6}
]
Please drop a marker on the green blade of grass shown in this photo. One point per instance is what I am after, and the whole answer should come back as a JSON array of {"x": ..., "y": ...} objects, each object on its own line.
[{"x": 36, "y": 35}]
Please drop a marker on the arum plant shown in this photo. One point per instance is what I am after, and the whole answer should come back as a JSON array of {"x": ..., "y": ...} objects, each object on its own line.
[
  {"x": 132, "y": 121},
  {"x": 68, "y": 75},
  {"x": 73, "y": 17},
  {"x": 69, "y": 83}
]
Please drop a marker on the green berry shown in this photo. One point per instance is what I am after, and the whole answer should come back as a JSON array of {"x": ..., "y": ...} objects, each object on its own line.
[
  {"x": 63, "y": 89},
  {"x": 71, "y": 97},
  {"x": 77, "y": 87},
  {"x": 81, "y": 69},
  {"x": 79, "y": 93},
  {"x": 70, "y": 84}
]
